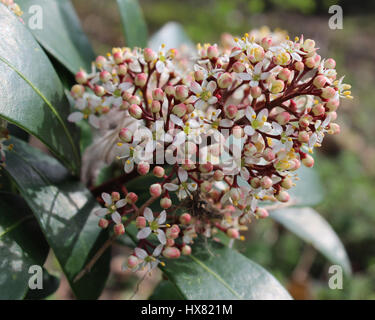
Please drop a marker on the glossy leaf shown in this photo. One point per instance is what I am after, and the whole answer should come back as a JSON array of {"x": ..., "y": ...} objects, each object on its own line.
[
  {"x": 32, "y": 95},
  {"x": 63, "y": 208},
  {"x": 166, "y": 290},
  {"x": 22, "y": 245},
  {"x": 133, "y": 23},
  {"x": 172, "y": 35},
  {"x": 61, "y": 33},
  {"x": 313, "y": 228}
]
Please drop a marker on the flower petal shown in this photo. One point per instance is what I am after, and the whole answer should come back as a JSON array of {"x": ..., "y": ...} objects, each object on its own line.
[
  {"x": 144, "y": 233},
  {"x": 101, "y": 212},
  {"x": 162, "y": 217},
  {"x": 140, "y": 253},
  {"x": 120, "y": 203},
  {"x": 182, "y": 175},
  {"x": 161, "y": 236},
  {"x": 75, "y": 116},
  {"x": 116, "y": 217},
  {"x": 147, "y": 213},
  {"x": 171, "y": 186},
  {"x": 107, "y": 198}
]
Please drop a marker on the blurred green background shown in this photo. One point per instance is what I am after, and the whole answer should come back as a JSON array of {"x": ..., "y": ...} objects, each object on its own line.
[{"x": 346, "y": 163}]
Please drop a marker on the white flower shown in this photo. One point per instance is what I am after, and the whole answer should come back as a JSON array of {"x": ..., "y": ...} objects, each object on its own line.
[
  {"x": 184, "y": 188},
  {"x": 320, "y": 129},
  {"x": 203, "y": 94},
  {"x": 258, "y": 122},
  {"x": 215, "y": 122},
  {"x": 285, "y": 142},
  {"x": 148, "y": 261},
  {"x": 135, "y": 152},
  {"x": 154, "y": 226},
  {"x": 110, "y": 208}
]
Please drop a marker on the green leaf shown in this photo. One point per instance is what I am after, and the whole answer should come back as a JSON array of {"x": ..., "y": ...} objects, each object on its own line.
[
  {"x": 166, "y": 290},
  {"x": 63, "y": 208},
  {"x": 50, "y": 286},
  {"x": 172, "y": 35},
  {"x": 214, "y": 271},
  {"x": 61, "y": 33},
  {"x": 313, "y": 228},
  {"x": 32, "y": 94},
  {"x": 308, "y": 190},
  {"x": 133, "y": 23},
  {"x": 22, "y": 245}
]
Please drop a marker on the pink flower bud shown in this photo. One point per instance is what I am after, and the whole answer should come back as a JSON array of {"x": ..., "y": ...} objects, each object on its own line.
[
  {"x": 234, "y": 194},
  {"x": 118, "y": 57},
  {"x": 155, "y": 106},
  {"x": 105, "y": 76},
  {"x": 283, "y": 118},
  {"x": 155, "y": 190},
  {"x": 287, "y": 183},
  {"x": 185, "y": 218},
  {"x": 334, "y": 128},
  {"x": 181, "y": 93},
  {"x": 103, "y": 223},
  {"x": 333, "y": 104},
  {"x": 283, "y": 196},
  {"x": 134, "y": 100},
  {"x": 233, "y": 233},
  {"x": 81, "y": 77},
  {"x": 308, "y": 45},
  {"x": 320, "y": 81},
  {"x": 140, "y": 222},
  {"x": 266, "y": 182},
  {"x": 131, "y": 198},
  {"x": 158, "y": 94},
  {"x": 268, "y": 154},
  {"x": 295, "y": 165},
  {"x": 179, "y": 110},
  {"x": 328, "y": 93},
  {"x": 212, "y": 52},
  {"x": 77, "y": 91},
  {"x": 231, "y": 111},
  {"x": 266, "y": 43},
  {"x": 330, "y": 63},
  {"x": 172, "y": 232},
  {"x": 119, "y": 229},
  {"x": 308, "y": 161},
  {"x": 310, "y": 62},
  {"x": 304, "y": 122},
  {"x": 115, "y": 196},
  {"x": 170, "y": 90},
  {"x": 126, "y": 135},
  {"x": 100, "y": 61},
  {"x": 132, "y": 262},
  {"x": 171, "y": 253},
  {"x": 332, "y": 114},
  {"x": 206, "y": 167},
  {"x": 170, "y": 243},
  {"x": 238, "y": 67},
  {"x": 225, "y": 80},
  {"x": 303, "y": 137},
  {"x": 135, "y": 111},
  {"x": 149, "y": 55},
  {"x": 237, "y": 132},
  {"x": 284, "y": 74},
  {"x": 143, "y": 168},
  {"x": 99, "y": 90},
  {"x": 122, "y": 69},
  {"x": 261, "y": 213},
  {"x": 140, "y": 79},
  {"x": 299, "y": 66},
  {"x": 255, "y": 182},
  {"x": 256, "y": 92},
  {"x": 186, "y": 250},
  {"x": 165, "y": 203},
  {"x": 158, "y": 172},
  {"x": 198, "y": 75}
]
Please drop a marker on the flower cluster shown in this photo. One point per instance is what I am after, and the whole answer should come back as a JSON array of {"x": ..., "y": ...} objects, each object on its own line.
[{"x": 221, "y": 131}]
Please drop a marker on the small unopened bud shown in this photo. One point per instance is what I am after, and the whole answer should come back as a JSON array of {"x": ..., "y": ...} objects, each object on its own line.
[
  {"x": 256, "y": 92},
  {"x": 115, "y": 196},
  {"x": 231, "y": 111},
  {"x": 155, "y": 190},
  {"x": 99, "y": 90},
  {"x": 170, "y": 90},
  {"x": 155, "y": 106},
  {"x": 135, "y": 111},
  {"x": 237, "y": 132},
  {"x": 140, "y": 79},
  {"x": 158, "y": 172},
  {"x": 158, "y": 94},
  {"x": 125, "y": 135},
  {"x": 266, "y": 182},
  {"x": 122, "y": 69},
  {"x": 119, "y": 229},
  {"x": 103, "y": 223},
  {"x": 308, "y": 161},
  {"x": 100, "y": 61},
  {"x": 81, "y": 77},
  {"x": 212, "y": 52},
  {"x": 206, "y": 167},
  {"x": 238, "y": 67},
  {"x": 218, "y": 175},
  {"x": 179, "y": 110},
  {"x": 277, "y": 86},
  {"x": 283, "y": 196},
  {"x": 173, "y": 232},
  {"x": 284, "y": 74},
  {"x": 318, "y": 109},
  {"x": 283, "y": 118},
  {"x": 308, "y": 45},
  {"x": 328, "y": 93},
  {"x": 186, "y": 250},
  {"x": 268, "y": 154},
  {"x": 105, "y": 76},
  {"x": 303, "y": 137},
  {"x": 140, "y": 222},
  {"x": 255, "y": 183},
  {"x": 287, "y": 183},
  {"x": 170, "y": 243},
  {"x": 330, "y": 63},
  {"x": 261, "y": 213},
  {"x": 320, "y": 81},
  {"x": 171, "y": 252},
  {"x": 185, "y": 218},
  {"x": 118, "y": 57},
  {"x": 77, "y": 91},
  {"x": 206, "y": 186},
  {"x": 134, "y": 100},
  {"x": 198, "y": 75},
  {"x": 334, "y": 128},
  {"x": 165, "y": 203},
  {"x": 149, "y": 54},
  {"x": 181, "y": 93},
  {"x": 333, "y": 104},
  {"x": 143, "y": 168},
  {"x": 132, "y": 262},
  {"x": 225, "y": 80},
  {"x": 131, "y": 198},
  {"x": 299, "y": 66}
]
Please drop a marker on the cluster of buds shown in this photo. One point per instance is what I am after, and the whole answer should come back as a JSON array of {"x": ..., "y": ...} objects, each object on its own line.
[
  {"x": 14, "y": 7},
  {"x": 221, "y": 133}
]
